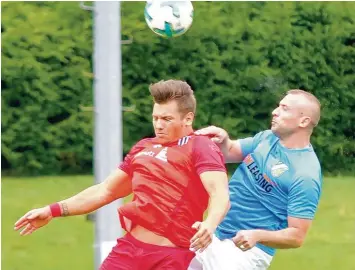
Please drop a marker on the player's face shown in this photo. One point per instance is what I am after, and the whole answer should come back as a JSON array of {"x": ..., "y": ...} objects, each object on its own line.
[
  {"x": 286, "y": 118},
  {"x": 169, "y": 124}
]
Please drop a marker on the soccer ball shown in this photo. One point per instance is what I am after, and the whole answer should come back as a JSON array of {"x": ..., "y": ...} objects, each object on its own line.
[{"x": 169, "y": 18}]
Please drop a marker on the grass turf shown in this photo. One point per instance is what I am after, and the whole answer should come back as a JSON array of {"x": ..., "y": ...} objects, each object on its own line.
[{"x": 68, "y": 243}]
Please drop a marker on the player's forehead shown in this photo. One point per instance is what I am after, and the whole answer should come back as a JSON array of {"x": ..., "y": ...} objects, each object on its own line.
[
  {"x": 293, "y": 101},
  {"x": 166, "y": 109}
]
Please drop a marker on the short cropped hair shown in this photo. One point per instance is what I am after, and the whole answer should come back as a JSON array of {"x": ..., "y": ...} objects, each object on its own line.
[{"x": 315, "y": 117}]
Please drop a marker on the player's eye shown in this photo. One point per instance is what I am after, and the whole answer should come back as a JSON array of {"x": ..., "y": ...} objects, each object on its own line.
[{"x": 284, "y": 108}]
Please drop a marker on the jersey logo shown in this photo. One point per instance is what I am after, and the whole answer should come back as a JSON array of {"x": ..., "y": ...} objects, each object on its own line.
[
  {"x": 260, "y": 179},
  {"x": 156, "y": 145},
  {"x": 278, "y": 169},
  {"x": 162, "y": 155},
  {"x": 184, "y": 140}
]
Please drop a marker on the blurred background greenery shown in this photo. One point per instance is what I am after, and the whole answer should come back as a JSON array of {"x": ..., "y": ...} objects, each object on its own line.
[{"x": 239, "y": 57}]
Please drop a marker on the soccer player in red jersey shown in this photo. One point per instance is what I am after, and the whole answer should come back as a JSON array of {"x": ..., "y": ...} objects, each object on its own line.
[{"x": 174, "y": 178}]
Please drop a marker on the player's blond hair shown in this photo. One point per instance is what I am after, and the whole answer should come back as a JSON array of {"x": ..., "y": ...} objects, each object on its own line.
[
  {"x": 315, "y": 115},
  {"x": 180, "y": 91}
]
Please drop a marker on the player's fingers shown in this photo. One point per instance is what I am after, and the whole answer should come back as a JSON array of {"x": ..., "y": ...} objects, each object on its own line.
[
  {"x": 196, "y": 245},
  {"x": 31, "y": 230},
  {"x": 20, "y": 225},
  {"x": 23, "y": 219},
  {"x": 243, "y": 245},
  {"x": 196, "y": 225},
  {"x": 199, "y": 234},
  {"x": 237, "y": 239},
  {"x": 205, "y": 245},
  {"x": 217, "y": 139},
  {"x": 201, "y": 239},
  {"x": 205, "y": 236},
  {"x": 211, "y": 130},
  {"x": 26, "y": 229},
  {"x": 201, "y": 244},
  {"x": 195, "y": 237},
  {"x": 202, "y": 131}
]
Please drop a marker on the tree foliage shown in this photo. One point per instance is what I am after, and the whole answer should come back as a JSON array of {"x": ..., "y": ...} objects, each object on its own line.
[{"x": 239, "y": 57}]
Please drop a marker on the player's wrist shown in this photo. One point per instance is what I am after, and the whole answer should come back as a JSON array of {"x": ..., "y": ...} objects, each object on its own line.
[
  {"x": 55, "y": 210},
  {"x": 258, "y": 235},
  {"x": 211, "y": 225}
]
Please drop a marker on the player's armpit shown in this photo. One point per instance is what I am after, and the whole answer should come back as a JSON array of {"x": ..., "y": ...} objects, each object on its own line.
[{"x": 216, "y": 184}]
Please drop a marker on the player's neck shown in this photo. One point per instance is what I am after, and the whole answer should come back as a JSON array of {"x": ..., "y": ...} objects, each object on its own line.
[
  {"x": 296, "y": 140},
  {"x": 187, "y": 131}
]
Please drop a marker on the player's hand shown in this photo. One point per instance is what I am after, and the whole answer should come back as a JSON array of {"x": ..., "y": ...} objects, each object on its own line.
[
  {"x": 33, "y": 220},
  {"x": 203, "y": 237},
  {"x": 217, "y": 135},
  {"x": 245, "y": 239}
]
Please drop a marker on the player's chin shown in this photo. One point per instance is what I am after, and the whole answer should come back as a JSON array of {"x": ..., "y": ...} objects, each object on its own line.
[
  {"x": 163, "y": 138},
  {"x": 160, "y": 135},
  {"x": 275, "y": 130}
]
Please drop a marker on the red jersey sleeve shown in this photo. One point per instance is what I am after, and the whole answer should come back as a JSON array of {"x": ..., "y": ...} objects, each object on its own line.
[
  {"x": 125, "y": 164},
  {"x": 207, "y": 156}
]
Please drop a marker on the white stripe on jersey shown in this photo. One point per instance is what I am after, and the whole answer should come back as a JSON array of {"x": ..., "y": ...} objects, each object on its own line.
[{"x": 184, "y": 140}]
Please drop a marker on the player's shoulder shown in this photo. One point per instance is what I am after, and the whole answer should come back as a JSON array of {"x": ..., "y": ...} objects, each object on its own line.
[
  {"x": 200, "y": 138},
  {"x": 308, "y": 167},
  {"x": 305, "y": 168},
  {"x": 193, "y": 140},
  {"x": 145, "y": 142},
  {"x": 203, "y": 141},
  {"x": 265, "y": 138},
  {"x": 266, "y": 135}
]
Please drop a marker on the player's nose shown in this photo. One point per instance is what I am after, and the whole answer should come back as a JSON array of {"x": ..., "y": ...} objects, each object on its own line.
[
  {"x": 159, "y": 124},
  {"x": 275, "y": 112}
]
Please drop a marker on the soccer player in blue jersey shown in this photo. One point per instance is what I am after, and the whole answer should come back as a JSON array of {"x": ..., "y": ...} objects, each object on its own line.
[{"x": 274, "y": 193}]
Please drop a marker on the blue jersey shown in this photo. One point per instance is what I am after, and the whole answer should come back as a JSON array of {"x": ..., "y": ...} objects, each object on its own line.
[{"x": 272, "y": 183}]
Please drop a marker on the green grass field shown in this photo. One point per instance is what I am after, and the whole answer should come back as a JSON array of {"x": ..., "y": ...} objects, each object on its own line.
[{"x": 67, "y": 244}]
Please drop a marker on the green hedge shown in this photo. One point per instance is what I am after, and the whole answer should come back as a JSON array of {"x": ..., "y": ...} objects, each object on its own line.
[{"x": 239, "y": 57}]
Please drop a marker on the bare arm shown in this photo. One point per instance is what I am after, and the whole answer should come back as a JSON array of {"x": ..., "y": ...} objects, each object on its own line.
[
  {"x": 231, "y": 149},
  {"x": 116, "y": 185},
  {"x": 216, "y": 184},
  {"x": 291, "y": 237}
]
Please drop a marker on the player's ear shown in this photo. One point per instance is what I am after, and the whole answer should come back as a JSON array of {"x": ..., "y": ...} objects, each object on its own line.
[
  {"x": 305, "y": 121},
  {"x": 189, "y": 118}
]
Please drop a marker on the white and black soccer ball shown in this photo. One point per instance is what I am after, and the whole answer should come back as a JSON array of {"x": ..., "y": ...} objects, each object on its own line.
[{"x": 169, "y": 18}]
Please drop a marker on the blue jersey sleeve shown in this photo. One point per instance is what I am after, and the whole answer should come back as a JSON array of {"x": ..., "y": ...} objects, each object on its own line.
[
  {"x": 249, "y": 144},
  {"x": 303, "y": 198}
]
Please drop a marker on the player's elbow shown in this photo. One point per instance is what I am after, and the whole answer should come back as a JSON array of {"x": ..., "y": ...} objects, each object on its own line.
[{"x": 298, "y": 241}]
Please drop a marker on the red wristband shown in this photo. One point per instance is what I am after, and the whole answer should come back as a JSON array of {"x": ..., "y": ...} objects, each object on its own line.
[{"x": 55, "y": 210}]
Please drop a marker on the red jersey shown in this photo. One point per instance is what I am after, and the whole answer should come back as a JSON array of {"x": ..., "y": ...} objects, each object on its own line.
[{"x": 168, "y": 193}]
